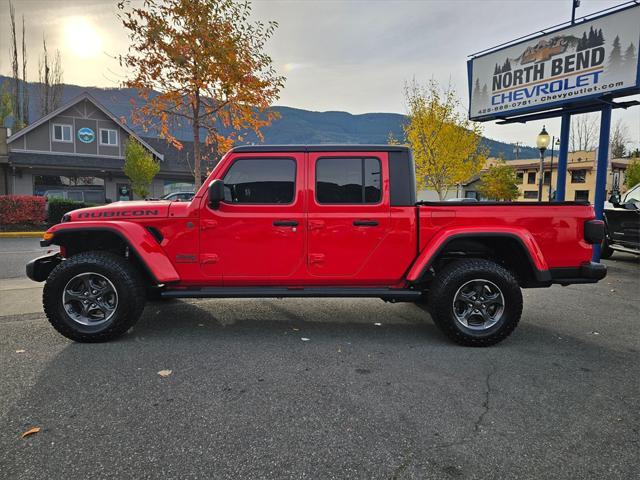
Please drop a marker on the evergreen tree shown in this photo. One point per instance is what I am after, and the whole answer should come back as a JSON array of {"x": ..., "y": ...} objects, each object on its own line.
[
  {"x": 630, "y": 59},
  {"x": 476, "y": 89},
  {"x": 485, "y": 93},
  {"x": 600, "y": 38},
  {"x": 592, "y": 38},
  {"x": 615, "y": 57},
  {"x": 582, "y": 43}
]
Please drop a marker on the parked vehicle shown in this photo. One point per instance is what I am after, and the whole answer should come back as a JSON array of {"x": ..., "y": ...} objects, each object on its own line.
[
  {"x": 179, "y": 196},
  {"x": 77, "y": 195},
  {"x": 315, "y": 221},
  {"x": 622, "y": 221}
]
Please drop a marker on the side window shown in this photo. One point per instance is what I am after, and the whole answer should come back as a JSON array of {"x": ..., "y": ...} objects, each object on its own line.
[
  {"x": 266, "y": 181},
  {"x": 581, "y": 196},
  {"x": 578, "y": 176},
  {"x": 108, "y": 137},
  {"x": 75, "y": 196},
  {"x": 348, "y": 180},
  {"x": 62, "y": 133},
  {"x": 632, "y": 195}
]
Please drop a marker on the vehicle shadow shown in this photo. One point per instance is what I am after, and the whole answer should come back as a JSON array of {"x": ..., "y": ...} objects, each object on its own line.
[
  {"x": 275, "y": 318},
  {"x": 246, "y": 389}
]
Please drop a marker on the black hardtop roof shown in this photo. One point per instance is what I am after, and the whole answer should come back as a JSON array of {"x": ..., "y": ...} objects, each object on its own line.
[{"x": 319, "y": 148}]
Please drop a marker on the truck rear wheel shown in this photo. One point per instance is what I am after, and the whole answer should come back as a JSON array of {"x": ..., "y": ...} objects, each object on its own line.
[
  {"x": 475, "y": 302},
  {"x": 93, "y": 297}
]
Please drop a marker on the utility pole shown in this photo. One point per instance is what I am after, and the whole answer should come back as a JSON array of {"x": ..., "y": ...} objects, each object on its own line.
[{"x": 516, "y": 149}]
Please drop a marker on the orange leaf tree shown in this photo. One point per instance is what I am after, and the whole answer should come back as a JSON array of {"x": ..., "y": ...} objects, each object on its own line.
[{"x": 200, "y": 63}]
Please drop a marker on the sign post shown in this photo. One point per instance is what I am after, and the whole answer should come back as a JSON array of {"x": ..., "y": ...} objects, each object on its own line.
[
  {"x": 601, "y": 171},
  {"x": 563, "y": 154}
]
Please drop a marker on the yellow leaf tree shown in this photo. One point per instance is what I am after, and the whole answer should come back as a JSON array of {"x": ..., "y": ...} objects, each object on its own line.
[
  {"x": 140, "y": 167},
  {"x": 446, "y": 145},
  {"x": 200, "y": 64},
  {"x": 499, "y": 183}
]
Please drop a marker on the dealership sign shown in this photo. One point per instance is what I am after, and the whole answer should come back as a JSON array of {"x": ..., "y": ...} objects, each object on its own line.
[{"x": 596, "y": 57}]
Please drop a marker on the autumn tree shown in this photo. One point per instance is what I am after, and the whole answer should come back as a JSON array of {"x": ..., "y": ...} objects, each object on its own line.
[
  {"x": 446, "y": 145},
  {"x": 50, "y": 77},
  {"x": 15, "y": 70},
  {"x": 25, "y": 85},
  {"x": 583, "y": 133},
  {"x": 619, "y": 139},
  {"x": 20, "y": 87},
  {"x": 140, "y": 167},
  {"x": 499, "y": 183},
  {"x": 5, "y": 105},
  {"x": 200, "y": 64}
]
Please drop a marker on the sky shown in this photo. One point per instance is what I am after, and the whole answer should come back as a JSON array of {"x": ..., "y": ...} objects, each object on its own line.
[{"x": 347, "y": 55}]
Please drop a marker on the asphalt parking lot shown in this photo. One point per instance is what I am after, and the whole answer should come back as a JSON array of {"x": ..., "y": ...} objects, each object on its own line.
[{"x": 247, "y": 397}]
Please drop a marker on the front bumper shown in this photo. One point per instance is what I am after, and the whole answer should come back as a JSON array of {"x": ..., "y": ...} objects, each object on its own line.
[
  {"x": 590, "y": 272},
  {"x": 39, "y": 268}
]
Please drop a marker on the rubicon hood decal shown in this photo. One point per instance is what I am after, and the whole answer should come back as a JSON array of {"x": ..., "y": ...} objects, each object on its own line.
[
  {"x": 122, "y": 210},
  {"x": 120, "y": 213}
]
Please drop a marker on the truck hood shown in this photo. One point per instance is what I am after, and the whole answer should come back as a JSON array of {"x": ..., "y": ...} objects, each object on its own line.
[{"x": 121, "y": 211}]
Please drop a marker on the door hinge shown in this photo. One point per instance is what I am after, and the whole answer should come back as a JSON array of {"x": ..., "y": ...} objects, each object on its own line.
[{"x": 316, "y": 258}]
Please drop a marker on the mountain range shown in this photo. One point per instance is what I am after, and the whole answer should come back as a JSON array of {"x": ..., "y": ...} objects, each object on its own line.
[{"x": 295, "y": 125}]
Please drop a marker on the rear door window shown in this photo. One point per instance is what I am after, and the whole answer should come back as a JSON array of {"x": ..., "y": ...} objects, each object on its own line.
[{"x": 348, "y": 180}]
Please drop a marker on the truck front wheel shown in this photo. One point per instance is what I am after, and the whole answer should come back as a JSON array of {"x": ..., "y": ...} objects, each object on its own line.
[
  {"x": 93, "y": 297},
  {"x": 475, "y": 302}
]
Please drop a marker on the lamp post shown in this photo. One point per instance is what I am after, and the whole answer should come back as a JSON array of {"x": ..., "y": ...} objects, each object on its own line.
[
  {"x": 554, "y": 141},
  {"x": 542, "y": 142}
]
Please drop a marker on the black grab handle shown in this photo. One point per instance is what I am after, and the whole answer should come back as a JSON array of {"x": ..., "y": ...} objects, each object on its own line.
[
  {"x": 285, "y": 223},
  {"x": 365, "y": 223}
]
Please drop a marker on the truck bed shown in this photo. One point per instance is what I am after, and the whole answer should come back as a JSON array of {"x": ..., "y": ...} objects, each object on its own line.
[{"x": 556, "y": 228}]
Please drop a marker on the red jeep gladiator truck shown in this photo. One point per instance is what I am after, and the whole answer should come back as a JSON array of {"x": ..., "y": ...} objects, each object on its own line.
[{"x": 314, "y": 221}]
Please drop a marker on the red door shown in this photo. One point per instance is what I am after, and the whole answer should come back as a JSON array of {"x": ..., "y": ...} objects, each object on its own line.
[
  {"x": 257, "y": 234},
  {"x": 348, "y": 214}
]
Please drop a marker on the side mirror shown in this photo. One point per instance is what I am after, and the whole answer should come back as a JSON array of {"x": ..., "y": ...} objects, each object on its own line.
[
  {"x": 614, "y": 199},
  {"x": 216, "y": 193}
]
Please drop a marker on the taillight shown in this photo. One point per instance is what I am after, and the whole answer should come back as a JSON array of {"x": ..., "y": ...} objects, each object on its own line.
[{"x": 594, "y": 231}]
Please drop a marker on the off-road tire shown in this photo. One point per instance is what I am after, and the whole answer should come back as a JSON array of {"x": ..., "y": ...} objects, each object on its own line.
[
  {"x": 126, "y": 280},
  {"x": 605, "y": 249},
  {"x": 453, "y": 277}
]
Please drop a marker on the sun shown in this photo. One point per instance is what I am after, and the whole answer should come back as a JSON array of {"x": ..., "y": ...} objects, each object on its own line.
[{"x": 82, "y": 38}]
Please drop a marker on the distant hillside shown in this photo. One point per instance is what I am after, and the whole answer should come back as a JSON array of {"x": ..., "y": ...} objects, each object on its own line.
[{"x": 294, "y": 126}]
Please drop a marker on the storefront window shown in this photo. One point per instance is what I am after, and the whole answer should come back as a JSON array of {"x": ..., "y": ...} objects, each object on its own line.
[
  {"x": 171, "y": 186},
  {"x": 70, "y": 187}
]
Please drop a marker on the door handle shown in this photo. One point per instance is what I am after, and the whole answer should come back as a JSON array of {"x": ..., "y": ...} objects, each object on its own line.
[
  {"x": 207, "y": 224},
  {"x": 285, "y": 223},
  {"x": 365, "y": 223}
]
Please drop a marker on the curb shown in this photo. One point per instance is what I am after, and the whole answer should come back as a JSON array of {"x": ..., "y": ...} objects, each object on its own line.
[{"x": 21, "y": 234}]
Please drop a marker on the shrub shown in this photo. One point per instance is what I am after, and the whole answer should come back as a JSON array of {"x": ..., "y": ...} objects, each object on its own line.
[
  {"x": 632, "y": 175},
  {"x": 21, "y": 209},
  {"x": 58, "y": 207}
]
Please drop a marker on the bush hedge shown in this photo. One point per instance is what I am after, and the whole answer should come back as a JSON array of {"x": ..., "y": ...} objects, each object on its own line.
[
  {"x": 58, "y": 207},
  {"x": 22, "y": 209}
]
